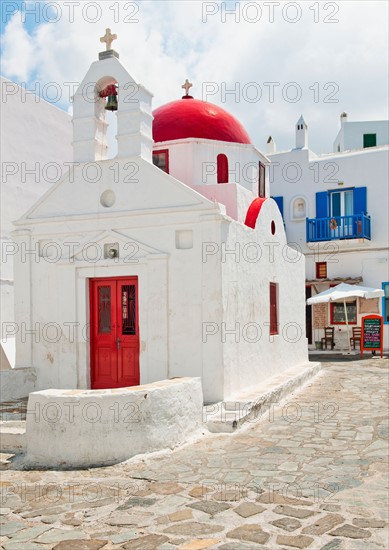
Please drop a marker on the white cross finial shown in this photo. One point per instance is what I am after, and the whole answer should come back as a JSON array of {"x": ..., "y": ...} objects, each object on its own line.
[
  {"x": 187, "y": 86},
  {"x": 108, "y": 38}
]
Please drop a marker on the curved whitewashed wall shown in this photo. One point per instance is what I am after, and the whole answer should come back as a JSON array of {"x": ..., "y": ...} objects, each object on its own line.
[
  {"x": 256, "y": 258},
  {"x": 76, "y": 428}
]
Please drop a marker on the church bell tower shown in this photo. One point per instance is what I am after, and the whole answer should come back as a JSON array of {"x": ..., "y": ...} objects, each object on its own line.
[{"x": 108, "y": 86}]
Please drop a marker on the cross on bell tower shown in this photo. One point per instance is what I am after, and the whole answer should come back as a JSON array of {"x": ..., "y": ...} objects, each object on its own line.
[
  {"x": 108, "y": 38},
  {"x": 187, "y": 86}
]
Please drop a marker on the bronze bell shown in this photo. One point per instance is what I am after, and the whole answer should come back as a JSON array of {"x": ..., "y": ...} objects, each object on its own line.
[{"x": 112, "y": 103}]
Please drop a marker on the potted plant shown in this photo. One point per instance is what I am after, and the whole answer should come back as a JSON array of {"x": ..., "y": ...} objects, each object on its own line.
[{"x": 317, "y": 339}]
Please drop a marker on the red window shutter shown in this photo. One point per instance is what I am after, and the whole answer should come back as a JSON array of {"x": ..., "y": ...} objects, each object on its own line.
[
  {"x": 321, "y": 270},
  {"x": 261, "y": 179},
  {"x": 273, "y": 309},
  {"x": 222, "y": 169}
]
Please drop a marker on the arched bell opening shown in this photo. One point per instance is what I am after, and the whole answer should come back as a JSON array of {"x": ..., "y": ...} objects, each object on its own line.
[{"x": 107, "y": 104}]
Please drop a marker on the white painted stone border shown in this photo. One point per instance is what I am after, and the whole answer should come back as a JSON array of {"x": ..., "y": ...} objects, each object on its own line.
[
  {"x": 13, "y": 436},
  {"x": 227, "y": 416},
  {"x": 86, "y": 428}
]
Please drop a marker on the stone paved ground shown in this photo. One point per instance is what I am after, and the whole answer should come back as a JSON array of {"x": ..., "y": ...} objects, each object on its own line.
[{"x": 311, "y": 473}]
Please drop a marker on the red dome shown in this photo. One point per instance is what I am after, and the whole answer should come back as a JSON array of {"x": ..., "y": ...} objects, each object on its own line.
[{"x": 192, "y": 118}]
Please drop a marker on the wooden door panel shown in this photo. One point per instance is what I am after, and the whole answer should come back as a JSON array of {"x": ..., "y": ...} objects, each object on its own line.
[
  {"x": 102, "y": 306},
  {"x": 129, "y": 371},
  {"x": 127, "y": 323},
  {"x": 106, "y": 363}
]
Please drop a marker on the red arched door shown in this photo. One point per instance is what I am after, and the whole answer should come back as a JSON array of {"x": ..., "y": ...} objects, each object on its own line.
[{"x": 114, "y": 335}]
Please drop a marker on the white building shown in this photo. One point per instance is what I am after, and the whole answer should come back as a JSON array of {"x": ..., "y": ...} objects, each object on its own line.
[
  {"x": 361, "y": 134},
  {"x": 335, "y": 208},
  {"x": 177, "y": 270},
  {"x": 35, "y": 147}
]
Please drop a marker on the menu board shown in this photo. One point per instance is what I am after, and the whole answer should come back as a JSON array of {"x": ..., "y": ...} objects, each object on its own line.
[{"x": 372, "y": 333}]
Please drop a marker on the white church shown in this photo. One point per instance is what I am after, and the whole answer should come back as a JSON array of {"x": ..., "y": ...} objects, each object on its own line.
[{"x": 168, "y": 260}]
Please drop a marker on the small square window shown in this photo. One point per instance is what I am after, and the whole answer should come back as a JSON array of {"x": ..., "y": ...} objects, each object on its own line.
[
  {"x": 321, "y": 270},
  {"x": 369, "y": 140},
  {"x": 161, "y": 159}
]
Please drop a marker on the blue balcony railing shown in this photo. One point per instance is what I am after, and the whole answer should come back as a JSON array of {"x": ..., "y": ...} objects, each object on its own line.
[{"x": 338, "y": 227}]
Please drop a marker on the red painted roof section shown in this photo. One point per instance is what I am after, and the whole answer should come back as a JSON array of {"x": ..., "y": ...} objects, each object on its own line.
[
  {"x": 253, "y": 212},
  {"x": 192, "y": 118}
]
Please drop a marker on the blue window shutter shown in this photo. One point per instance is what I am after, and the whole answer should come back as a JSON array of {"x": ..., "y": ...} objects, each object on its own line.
[
  {"x": 322, "y": 204},
  {"x": 280, "y": 204},
  {"x": 360, "y": 200}
]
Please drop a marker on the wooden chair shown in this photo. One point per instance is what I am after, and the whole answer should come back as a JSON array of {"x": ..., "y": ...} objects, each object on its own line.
[
  {"x": 328, "y": 338},
  {"x": 356, "y": 337}
]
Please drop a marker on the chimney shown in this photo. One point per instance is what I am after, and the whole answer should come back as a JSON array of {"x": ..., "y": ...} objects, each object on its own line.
[
  {"x": 271, "y": 145},
  {"x": 343, "y": 118},
  {"x": 301, "y": 134}
]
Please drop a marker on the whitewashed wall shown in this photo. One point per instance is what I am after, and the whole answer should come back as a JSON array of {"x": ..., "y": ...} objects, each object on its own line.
[
  {"x": 193, "y": 161},
  {"x": 35, "y": 145},
  {"x": 350, "y": 135},
  {"x": 252, "y": 355}
]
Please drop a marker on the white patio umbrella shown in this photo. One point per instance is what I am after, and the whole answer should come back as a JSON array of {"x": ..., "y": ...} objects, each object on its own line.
[{"x": 342, "y": 293}]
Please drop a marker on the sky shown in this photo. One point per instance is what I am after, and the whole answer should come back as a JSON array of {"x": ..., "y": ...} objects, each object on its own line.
[{"x": 266, "y": 62}]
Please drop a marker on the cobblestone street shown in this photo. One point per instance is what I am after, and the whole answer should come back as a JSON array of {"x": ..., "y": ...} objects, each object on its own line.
[{"x": 311, "y": 472}]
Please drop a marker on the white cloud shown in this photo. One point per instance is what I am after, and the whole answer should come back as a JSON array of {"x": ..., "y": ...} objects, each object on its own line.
[
  {"x": 171, "y": 42},
  {"x": 17, "y": 51}
]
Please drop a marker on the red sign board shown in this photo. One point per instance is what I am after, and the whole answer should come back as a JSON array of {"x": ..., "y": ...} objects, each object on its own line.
[{"x": 372, "y": 333}]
